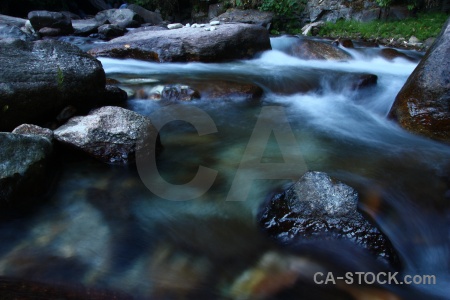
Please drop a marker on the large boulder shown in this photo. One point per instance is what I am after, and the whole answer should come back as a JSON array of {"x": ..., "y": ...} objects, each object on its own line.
[
  {"x": 47, "y": 19},
  {"x": 318, "y": 207},
  {"x": 148, "y": 16},
  {"x": 123, "y": 18},
  {"x": 308, "y": 49},
  {"x": 248, "y": 16},
  {"x": 333, "y": 10},
  {"x": 110, "y": 134},
  {"x": 39, "y": 79},
  {"x": 14, "y": 32},
  {"x": 24, "y": 168},
  {"x": 423, "y": 104},
  {"x": 227, "y": 42},
  {"x": 19, "y": 22}
]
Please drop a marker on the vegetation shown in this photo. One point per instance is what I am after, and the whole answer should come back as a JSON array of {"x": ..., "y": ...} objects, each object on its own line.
[{"x": 424, "y": 26}]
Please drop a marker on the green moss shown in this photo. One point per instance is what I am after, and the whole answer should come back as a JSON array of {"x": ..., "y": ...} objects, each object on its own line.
[
  {"x": 424, "y": 26},
  {"x": 60, "y": 77}
]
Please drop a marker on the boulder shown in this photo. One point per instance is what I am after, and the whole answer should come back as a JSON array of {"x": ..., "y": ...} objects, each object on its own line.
[
  {"x": 145, "y": 28},
  {"x": 48, "y": 31},
  {"x": 38, "y": 79},
  {"x": 110, "y": 31},
  {"x": 85, "y": 27},
  {"x": 310, "y": 49},
  {"x": 248, "y": 16},
  {"x": 34, "y": 130},
  {"x": 113, "y": 96},
  {"x": 13, "y": 32},
  {"x": 109, "y": 134},
  {"x": 24, "y": 167},
  {"x": 123, "y": 18},
  {"x": 42, "y": 18},
  {"x": 227, "y": 42},
  {"x": 19, "y": 22},
  {"x": 317, "y": 208},
  {"x": 423, "y": 104},
  {"x": 148, "y": 16},
  {"x": 391, "y": 54}
]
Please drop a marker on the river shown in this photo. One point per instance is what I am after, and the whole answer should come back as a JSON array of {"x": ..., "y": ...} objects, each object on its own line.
[{"x": 104, "y": 228}]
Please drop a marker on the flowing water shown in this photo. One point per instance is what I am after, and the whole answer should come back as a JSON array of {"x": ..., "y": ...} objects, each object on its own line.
[{"x": 103, "y": 228}]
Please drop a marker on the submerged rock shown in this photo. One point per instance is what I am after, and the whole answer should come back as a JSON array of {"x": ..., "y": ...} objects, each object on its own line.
[
  {"x": 109, "y": 134},
  {"x": 318, "y": 207},
  {"x": 423, "y": 104},
  {"x": 24, "y": 168},
  {"x": 38, "y": 79},
  {"x": 47, "y": 19},
  {"x": 310, "y": 49},
  {"x": 227, "y": 42}
]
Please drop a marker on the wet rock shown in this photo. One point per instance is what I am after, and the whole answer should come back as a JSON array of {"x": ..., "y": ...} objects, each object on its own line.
[
  {"x": 148, "y": 16},
  {"x": 391, "y": 54},
  {"x": 24, "y": 167},
  {"x": 364, "y": 81},
  {"x": 85, "y": 27},
  {"x": 177, "y": 92},
  {"x": 47, "y": 31},
  {"x": 318, "y": 207},
  {"x": 248, "y": 16},
  {"x": 67, "y": 113},
  {"x": 30, "y": 129},
  {"x": 346, "y": 43},
  {"x": 14, "y": 32},
  {"x": 123, "y": 18},
  {"x": 423, "y": 104},
  {"x": 224, "y": 89},
  {"x": 42, "y": 18},
  {"x": 13, "y": 21},
  {"x": 111, "y": 31},
  {"x": 229, "y": 41},
  {"x": 310, "y": 49},
  {"x": 38, "y": 79},
  {"x": 109, "y": 134},
  {"x": 113, "y": 96}
]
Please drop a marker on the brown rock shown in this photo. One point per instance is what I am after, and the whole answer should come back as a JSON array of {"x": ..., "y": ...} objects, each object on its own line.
[
  {"x": 423, "y": 104},
  {"x": 311, "y": 49}
]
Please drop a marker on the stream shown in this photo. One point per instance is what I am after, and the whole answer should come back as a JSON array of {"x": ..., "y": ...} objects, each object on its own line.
[{"x": 104, "y": 228}]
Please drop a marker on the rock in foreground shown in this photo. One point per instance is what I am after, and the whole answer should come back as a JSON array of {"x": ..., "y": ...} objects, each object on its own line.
[
  {"x": 227, "y": 42},
  {"x": 38, "y": 79},
  {"x": 109, "y": 134},
  {"x": 319, "y": 207},
  {"x": 24, "y": 167},
  {"x": 423, "y": 104}
]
